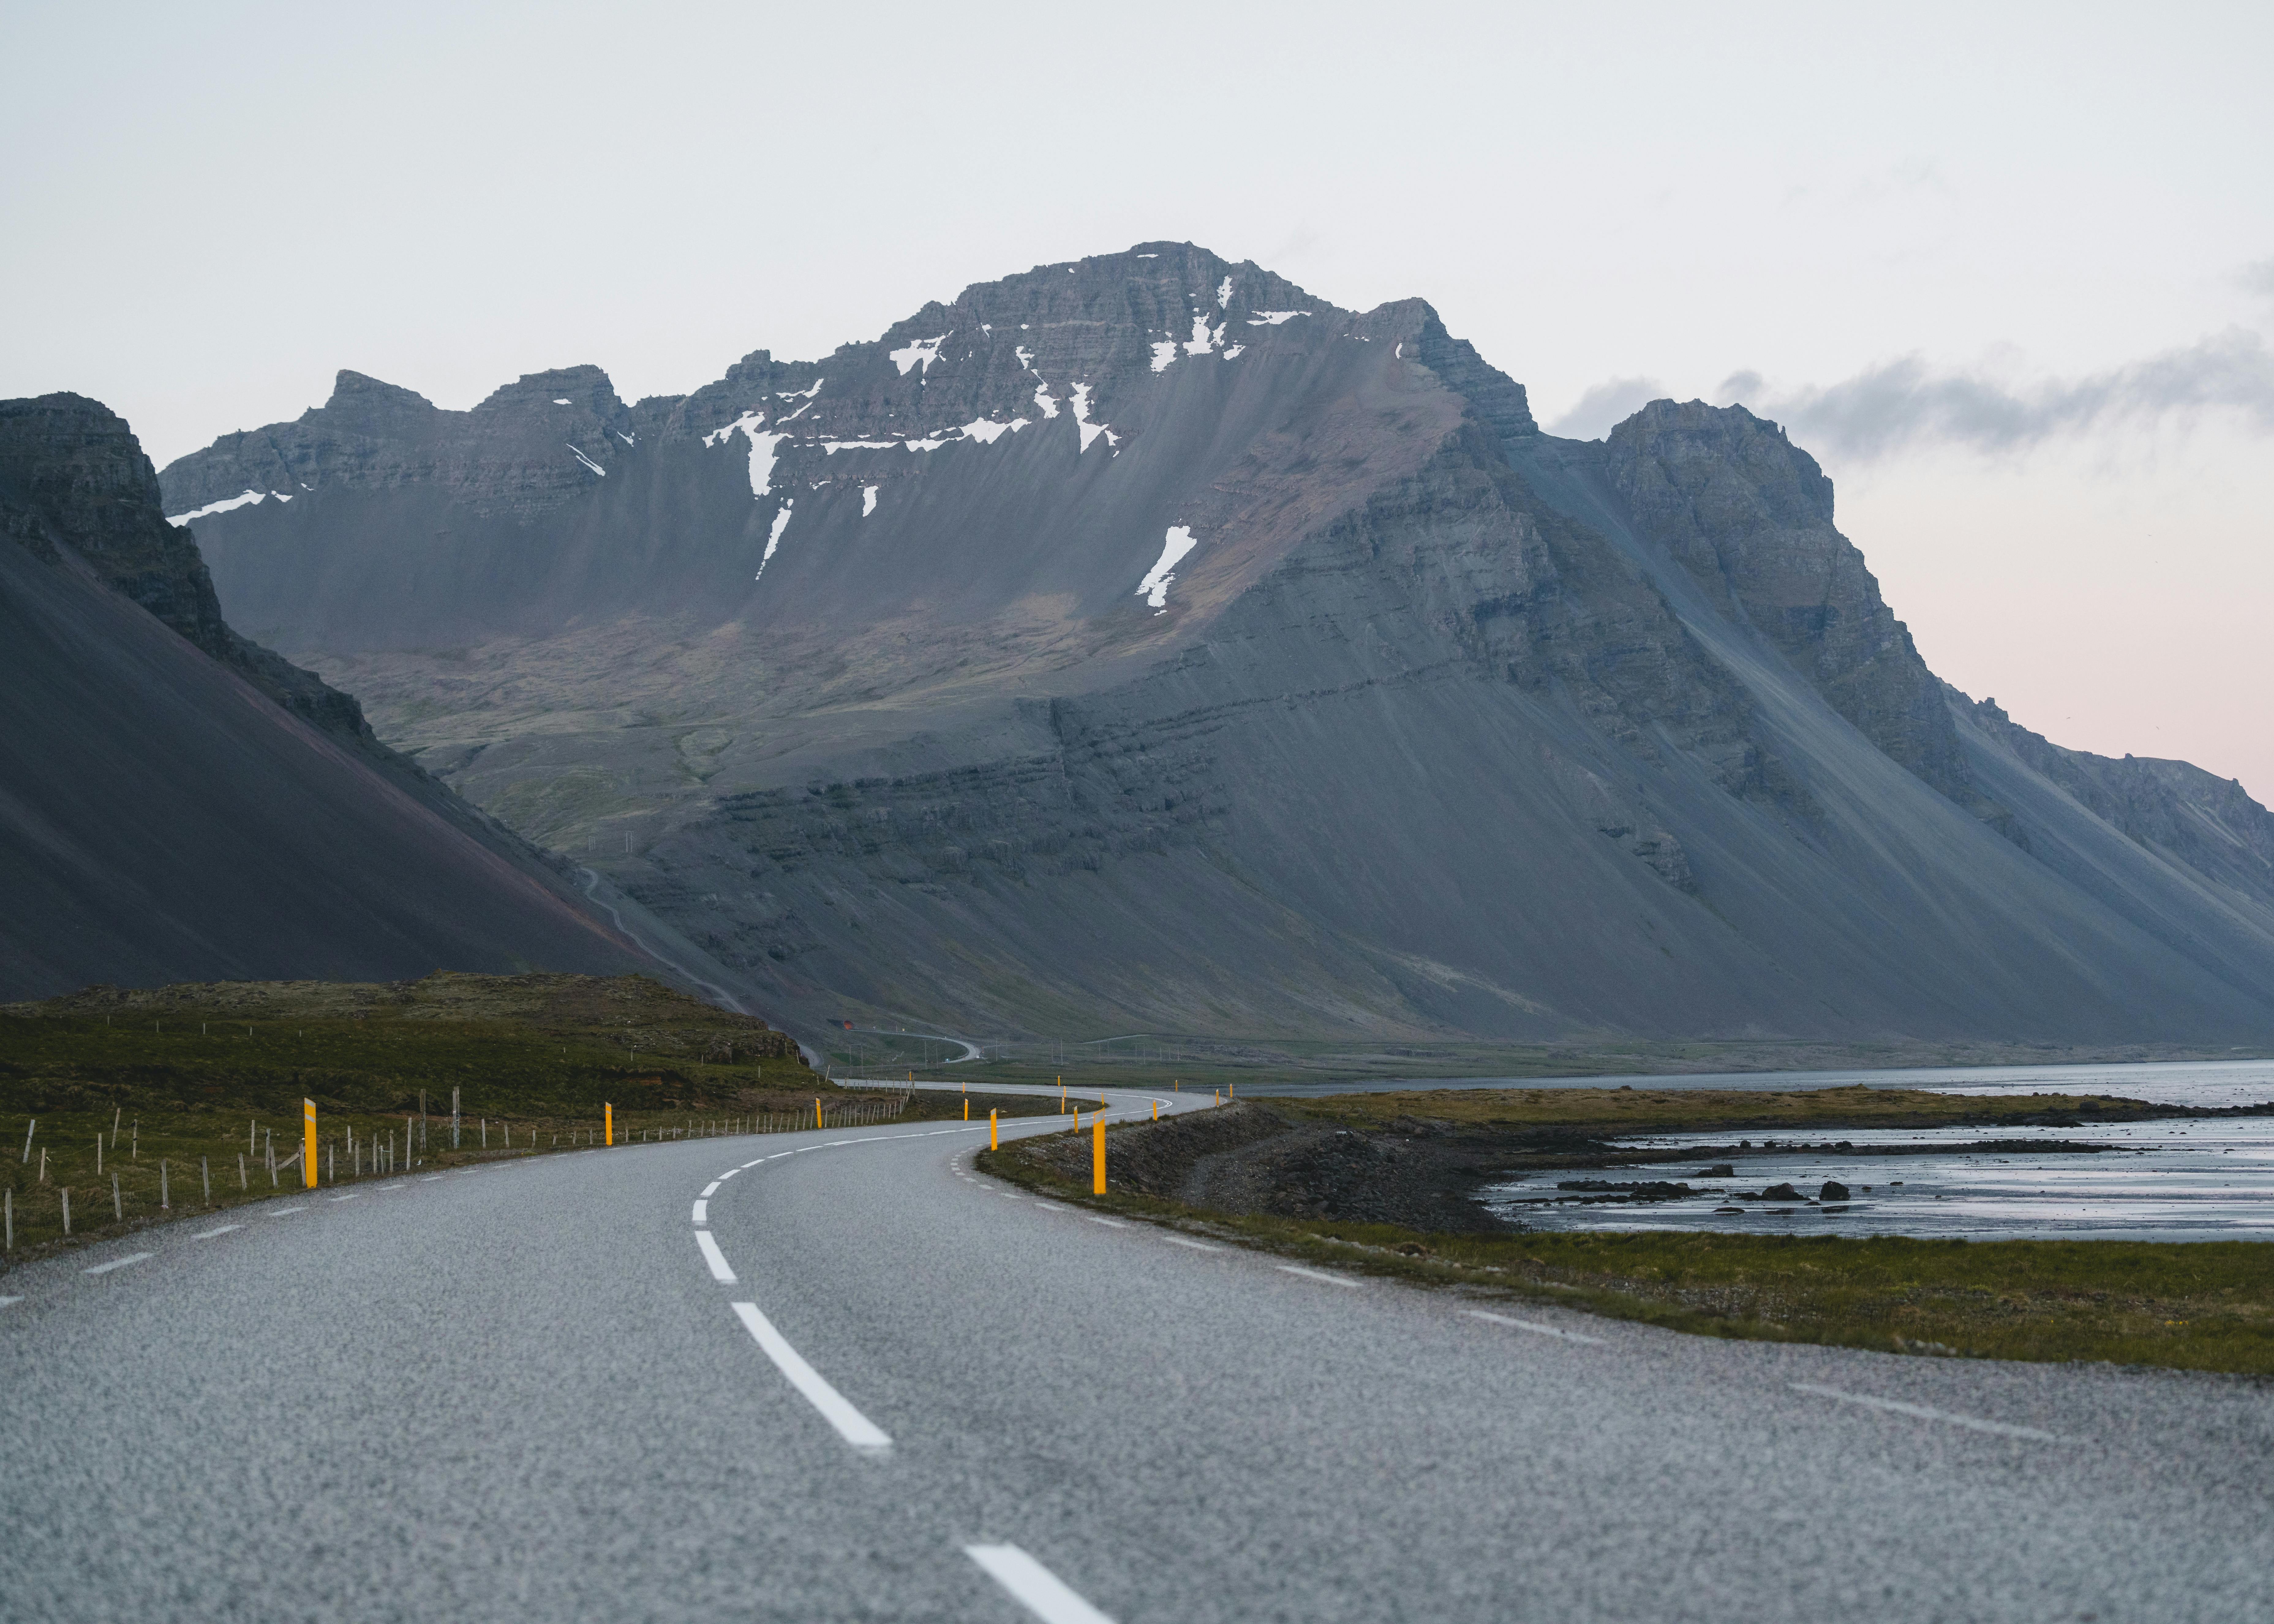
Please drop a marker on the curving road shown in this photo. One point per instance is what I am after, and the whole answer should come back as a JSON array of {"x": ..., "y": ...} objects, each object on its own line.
[{"x": 859, "y": 1381}]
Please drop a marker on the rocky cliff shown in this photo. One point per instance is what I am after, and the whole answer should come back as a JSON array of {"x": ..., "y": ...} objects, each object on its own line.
[
  {"x": 1141, "y": 642},
  {"x": 181, "y": 804}
]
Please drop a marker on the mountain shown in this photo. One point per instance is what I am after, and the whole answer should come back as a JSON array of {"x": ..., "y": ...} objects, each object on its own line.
[
  {"x": 1144, "y": 643},
  {"x": 179, "y": 803}
]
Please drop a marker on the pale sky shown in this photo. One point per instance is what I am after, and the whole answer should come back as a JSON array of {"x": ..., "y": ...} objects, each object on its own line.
[{"x": 2008, "y": 271}]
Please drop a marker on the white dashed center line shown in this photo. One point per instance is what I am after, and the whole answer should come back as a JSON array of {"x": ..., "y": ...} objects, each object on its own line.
[
  {"x": 1922, "y": 1412},
  {"x": 349, "y": 1196},
  {"x": 1535, "y": 1326},
  {"x": 284, "y": 1212},
  {"x": 1111, "y": 1223},
  {"x": 1311, "y": 1273},
  {"x": 1033, "y": 1586},
  {"x": 6, "y": 1300},
  {"x": 715, "y": 1257},
  {"x": 119, "y": 1263},
  {"x": 702, "y": 1212},
  {"x": 856, "y": 1428},
  {"x": 1178, "y": 1240},
  {"x": 207, "y": 1235}
]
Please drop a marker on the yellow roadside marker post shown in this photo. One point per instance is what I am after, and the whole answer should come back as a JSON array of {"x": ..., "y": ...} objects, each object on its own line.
[
  {"x": 967, "y": 1110},
  {"x": 817, "y": 1111},
  {"x": 1157, "y": 1110},
  {"x": 993, "y": 1142},
  {"x": 1098, "y": 1158},
  {"x": 608, "y": 1123},
  {"x": 1062, "y": 1096},
  {"x": 307, "y": 1144}
]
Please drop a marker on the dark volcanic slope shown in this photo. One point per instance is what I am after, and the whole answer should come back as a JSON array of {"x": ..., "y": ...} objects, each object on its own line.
[
  {"x": 889, "y": 679},
  {"x": 179, "y": 804}
]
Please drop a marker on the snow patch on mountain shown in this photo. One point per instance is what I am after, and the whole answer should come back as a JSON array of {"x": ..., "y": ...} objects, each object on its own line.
[
  {"x": 1044, "y": 399},
  {"x": 1224, "y": 294},
  {"x": 588, "y": 461},
  {"x": 988, "y": 433},
  {"x": 251, "y": 498},
  {"x": 762, "y": 448},
  {"x": 921, "y": 352},
  {"x": 1090, "y": 431},
  {"x": 1265, "y": 318},
  {"x": 1154, "y": 589},
  {"x": 868, "y": 499},
  {"x": 774, "y": 535}
]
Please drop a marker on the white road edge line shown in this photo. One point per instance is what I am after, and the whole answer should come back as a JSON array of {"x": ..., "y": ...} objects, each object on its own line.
[
  {"x": 856, "y": 1428},
  {"x": 1111, "y": 1223},
  {"x": 1310, "y": 1273},
  {"x": 1033, "y": 1586},
  {"x": 115, "y": 1263},
  {"x": 1922, "y": 1412},
  {"x": 715, "y": 1257},
  {"x": 1535, "y": 1326},
  {"x": 207, "y": 1235},
  {"x": 1178, "y": 1240}
]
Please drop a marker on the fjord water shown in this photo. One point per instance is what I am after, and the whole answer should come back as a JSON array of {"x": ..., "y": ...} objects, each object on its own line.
[{"x": 2189, "y": 1179}]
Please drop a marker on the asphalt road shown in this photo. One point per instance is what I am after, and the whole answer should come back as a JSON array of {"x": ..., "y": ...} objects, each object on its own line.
[{"x": 522, "y": 1393}]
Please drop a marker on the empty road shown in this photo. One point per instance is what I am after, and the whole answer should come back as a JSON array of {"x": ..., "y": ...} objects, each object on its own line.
[{"x": 840, "y": 1376}]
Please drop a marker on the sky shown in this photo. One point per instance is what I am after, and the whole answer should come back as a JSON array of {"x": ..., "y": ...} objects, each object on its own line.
[{"x": 2008, "y": 272}]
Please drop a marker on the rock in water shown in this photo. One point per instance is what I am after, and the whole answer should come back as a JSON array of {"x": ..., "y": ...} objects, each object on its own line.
[
  {"x": 1832, "y": 1191},
  {"x": 1781, "y": 1192},
  {"x": 1145, "y": 643}
]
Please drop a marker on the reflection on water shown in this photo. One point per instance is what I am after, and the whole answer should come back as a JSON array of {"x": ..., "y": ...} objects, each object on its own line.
[{"x": 2185, "y": 1180}]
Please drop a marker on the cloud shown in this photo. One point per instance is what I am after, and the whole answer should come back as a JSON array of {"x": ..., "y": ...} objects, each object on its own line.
[
  {"x": 2258, "y": 278},
  {"x": 1604, "y": 405},
  {"x": 1902, "y": 404}
]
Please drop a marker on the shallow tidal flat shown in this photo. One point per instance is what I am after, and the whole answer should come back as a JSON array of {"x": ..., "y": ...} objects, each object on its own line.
[
  {"x": 1768, "y": 1157},
  {"x": 2187, "y": 1180}
]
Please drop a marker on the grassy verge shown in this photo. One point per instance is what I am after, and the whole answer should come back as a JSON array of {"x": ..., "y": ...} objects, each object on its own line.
[
  {"x": 190, "y": 1090},
  {"x": 180, "y": 1082},
  {"x": 2204, "y": 1306}
]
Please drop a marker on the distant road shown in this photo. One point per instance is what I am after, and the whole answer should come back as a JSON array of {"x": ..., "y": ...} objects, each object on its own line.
[
  {"x": 840, "y": 1376},
  {"x": 970, "y": 1049}
]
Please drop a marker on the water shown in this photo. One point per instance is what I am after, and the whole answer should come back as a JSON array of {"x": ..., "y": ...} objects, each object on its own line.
[
  {"x": 2164, "y": 1082},
  {"x": 2180, "y": 1180},
  {"x": 2185, "y": 1180}
]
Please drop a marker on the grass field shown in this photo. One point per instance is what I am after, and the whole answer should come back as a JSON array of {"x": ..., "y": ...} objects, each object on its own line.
[{"x": 189, "y": 1088}]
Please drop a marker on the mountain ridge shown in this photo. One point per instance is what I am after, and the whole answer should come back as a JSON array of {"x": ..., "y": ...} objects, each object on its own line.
[
  {"x": 1273, "y": 639},
  {"x": 180, "y": 804}
]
